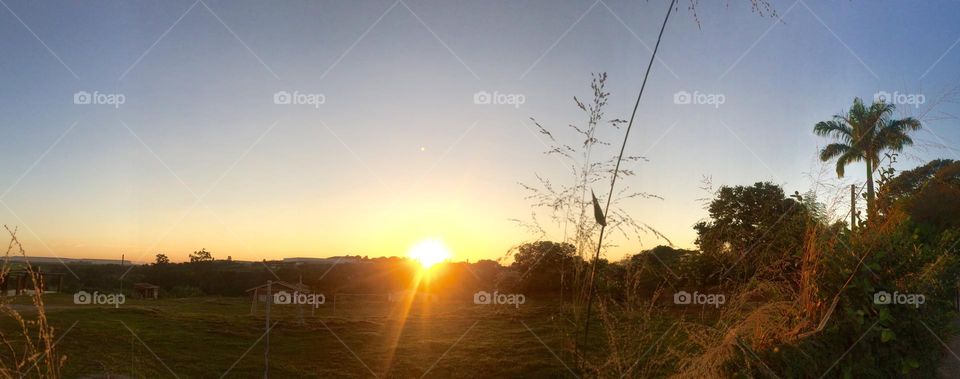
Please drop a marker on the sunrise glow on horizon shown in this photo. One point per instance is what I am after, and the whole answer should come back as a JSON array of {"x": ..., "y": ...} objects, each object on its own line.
[
  {"x": 480, "y": 189},
  {"x": 303, "y": 140},
  {"x": 429, "y": 252}
]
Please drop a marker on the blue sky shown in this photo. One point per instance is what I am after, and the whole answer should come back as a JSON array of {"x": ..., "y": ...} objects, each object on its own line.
[{"x": 398, "y": 152}]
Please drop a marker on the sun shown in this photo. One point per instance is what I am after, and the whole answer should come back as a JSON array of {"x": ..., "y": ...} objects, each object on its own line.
[{"x": 429, "y": 252}]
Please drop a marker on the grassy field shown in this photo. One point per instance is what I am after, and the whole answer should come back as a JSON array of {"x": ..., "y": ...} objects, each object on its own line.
[{"x": 208, "y": 337}]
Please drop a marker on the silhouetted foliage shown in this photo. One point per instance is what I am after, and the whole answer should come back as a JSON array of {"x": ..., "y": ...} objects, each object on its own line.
[
  {"x": 660, "y": 266},
  {"x": 543, "y": 264},
  {"x": 929, "y": 194},
  {"x": 201, "y": 256},
  {"x": 751, "y": 228}
]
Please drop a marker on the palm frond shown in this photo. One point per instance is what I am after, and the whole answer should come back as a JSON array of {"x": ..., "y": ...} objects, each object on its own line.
[
  {"x": 845, "y": 159},
  {"x": 833, "y": 150},
  {"x": 835, "y": 129},
  {"x": 905, "y": 124}
]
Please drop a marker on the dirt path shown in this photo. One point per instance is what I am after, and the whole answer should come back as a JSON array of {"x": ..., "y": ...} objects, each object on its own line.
[{"x": 950, "y": 364}]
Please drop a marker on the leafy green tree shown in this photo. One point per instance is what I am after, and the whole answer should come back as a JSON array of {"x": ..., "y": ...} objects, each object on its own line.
[
  {"x": 664, "y": 256},
  {"x": 929, "y": 194},
  {"x": 201, "y": 256},
  {"x": 650, "y": 268},
  {"x": 752, "y": 228},
  {"x": 863, "y": 134},
  {"x": 541, "y": 264},
  {"x": 162, "y": 259}
]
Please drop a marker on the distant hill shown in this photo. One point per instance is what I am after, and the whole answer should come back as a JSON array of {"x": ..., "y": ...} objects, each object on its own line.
[
  {"x": 92, "y": 261},
  {"x": 96, "y": 261},
  {"x": 330, "y": 260}
]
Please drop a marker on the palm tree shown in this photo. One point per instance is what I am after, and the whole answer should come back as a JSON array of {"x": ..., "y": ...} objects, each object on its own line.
[{"x": 863, "y": 134}]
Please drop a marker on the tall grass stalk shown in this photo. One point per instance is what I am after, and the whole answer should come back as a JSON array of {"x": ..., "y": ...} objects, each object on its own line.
[{"x": 29, "y": 350}]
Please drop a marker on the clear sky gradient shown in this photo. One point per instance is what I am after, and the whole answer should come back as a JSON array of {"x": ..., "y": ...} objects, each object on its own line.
[{"x": 199, "y": 156}]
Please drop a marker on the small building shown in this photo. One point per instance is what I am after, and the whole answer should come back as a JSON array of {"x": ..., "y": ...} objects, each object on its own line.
[
  {"x": 23, "y": 284},
  {"x": 146, "y": 290}
]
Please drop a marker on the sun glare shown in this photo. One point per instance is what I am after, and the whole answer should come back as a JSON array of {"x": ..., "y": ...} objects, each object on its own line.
[{"x": 429, "y": 252}]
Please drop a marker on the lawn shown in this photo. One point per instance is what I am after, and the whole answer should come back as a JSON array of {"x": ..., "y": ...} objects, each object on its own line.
[{"x": 208, "y": 337}]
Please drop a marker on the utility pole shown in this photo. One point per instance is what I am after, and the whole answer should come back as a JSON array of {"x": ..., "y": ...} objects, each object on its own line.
[
  {"x": 266, "y": 349},
  {"x": 853, "y": 207},
  {"x": 122, "y": 259}
]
